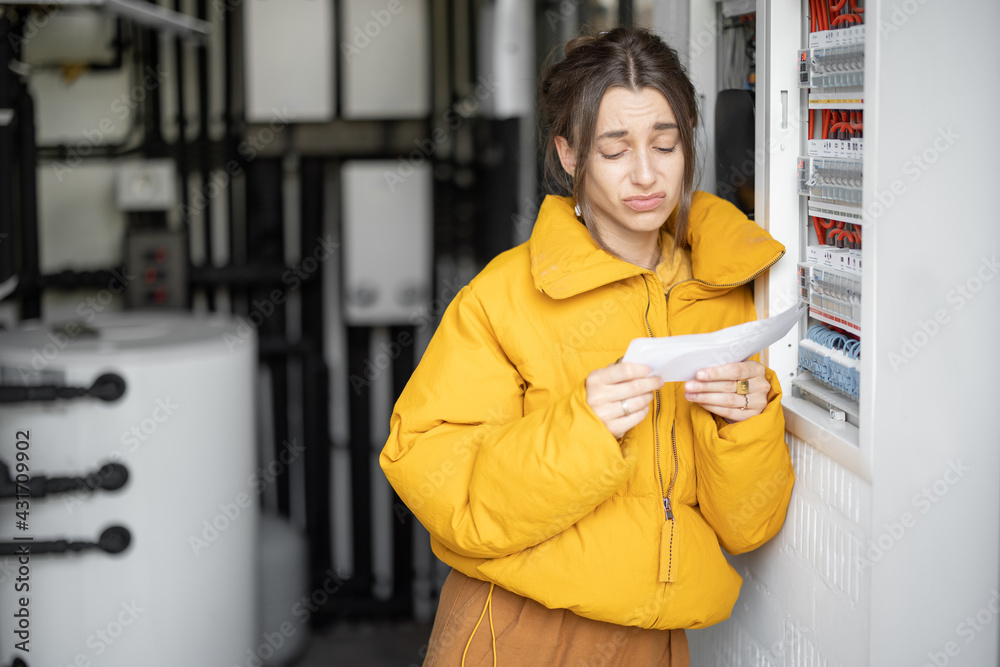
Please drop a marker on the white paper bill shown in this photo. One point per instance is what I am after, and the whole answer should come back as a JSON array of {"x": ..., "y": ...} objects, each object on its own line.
[{"x": 678, "y": 358}]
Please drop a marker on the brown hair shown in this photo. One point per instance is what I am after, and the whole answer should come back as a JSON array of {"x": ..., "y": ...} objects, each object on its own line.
[{"x": 570, "y": 96}]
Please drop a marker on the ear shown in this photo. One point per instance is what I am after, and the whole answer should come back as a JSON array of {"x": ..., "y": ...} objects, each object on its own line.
[{"x": 567, "y": 156}]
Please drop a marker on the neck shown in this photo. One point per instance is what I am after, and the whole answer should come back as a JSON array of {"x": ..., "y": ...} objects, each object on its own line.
[{"x": 639, "y": 248}]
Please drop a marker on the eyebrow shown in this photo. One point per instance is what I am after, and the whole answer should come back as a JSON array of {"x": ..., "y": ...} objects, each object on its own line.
[{"x": 618, "y": 134}]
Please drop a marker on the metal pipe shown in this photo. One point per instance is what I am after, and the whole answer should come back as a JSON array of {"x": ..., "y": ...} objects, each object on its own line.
[
  {"x": 30, "y": 290},
  {"x": 205, "y": 149},
  {"x": 358, "y": 341},
  {"x": 316, "y": 384},
  {"x": 402, "y": 523},
  {"x": 9, "y": 87},
  {"x": 182, "y": 163},
  {"x": 266, "y": 246}
]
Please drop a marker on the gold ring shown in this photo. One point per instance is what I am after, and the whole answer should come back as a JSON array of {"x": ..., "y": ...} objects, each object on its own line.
[
  {"x": 746, "y": 402},
  {"x": 625, "y": 407},
  {"x": 743, "y": 387}
]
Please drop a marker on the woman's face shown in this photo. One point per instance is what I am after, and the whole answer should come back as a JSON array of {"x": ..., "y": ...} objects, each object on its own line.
[{"x": 636, "y": 165}]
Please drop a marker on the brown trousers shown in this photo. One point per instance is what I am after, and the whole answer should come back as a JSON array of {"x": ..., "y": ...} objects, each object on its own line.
[{"x": 529, "y": 634}]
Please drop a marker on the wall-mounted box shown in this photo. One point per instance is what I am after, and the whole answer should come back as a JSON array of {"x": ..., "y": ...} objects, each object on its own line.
[
  {"x": 387, "y": 234},
  {"x": 289, "y": 48},
  {"x": 385, "y": 59},
  {"x": 146, "y": 185}
]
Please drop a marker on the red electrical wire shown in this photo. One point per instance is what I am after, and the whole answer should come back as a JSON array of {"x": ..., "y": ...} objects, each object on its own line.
[
  {"x": 821, "y": 225},
  {"x": 856, "y": 9},
  {"x": 836, "y": 6},
  {"x": 845, "y": 18},
  {"x": 856, "y": 123}
]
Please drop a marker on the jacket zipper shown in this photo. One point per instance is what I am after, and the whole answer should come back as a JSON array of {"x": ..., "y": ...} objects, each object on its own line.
[
  {"x": 736, "y": 284},
  {"x": 668, "y": 512}
]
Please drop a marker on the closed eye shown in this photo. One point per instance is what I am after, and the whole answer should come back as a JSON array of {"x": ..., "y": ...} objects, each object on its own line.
[
  {"x": 613, "y": 157},
  {"x": 667, "y": 150}
]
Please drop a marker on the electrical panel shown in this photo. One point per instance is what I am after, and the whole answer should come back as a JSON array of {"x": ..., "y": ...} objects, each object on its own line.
[
  {"x": 831, "y": 76},
  {"x": 156, "y": 269}
]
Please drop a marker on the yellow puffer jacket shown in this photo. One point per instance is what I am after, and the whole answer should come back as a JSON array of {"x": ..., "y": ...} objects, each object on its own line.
[{"x": 494, "y": 448}]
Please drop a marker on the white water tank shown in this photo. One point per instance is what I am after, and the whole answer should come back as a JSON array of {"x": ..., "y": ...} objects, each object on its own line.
[{"x": 184, "y": 591}]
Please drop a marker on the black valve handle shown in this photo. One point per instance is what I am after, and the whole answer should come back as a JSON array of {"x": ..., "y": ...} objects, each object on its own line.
[
  {"x": 108, "y": 387},
  {"x": 110, "y": 477},
  {"x": 113, "y": 540}
]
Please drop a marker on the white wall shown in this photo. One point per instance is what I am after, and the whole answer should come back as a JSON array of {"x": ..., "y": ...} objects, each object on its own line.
[
  {"x": 890, "y": 554},
  {"x": 935, "y": 447}
]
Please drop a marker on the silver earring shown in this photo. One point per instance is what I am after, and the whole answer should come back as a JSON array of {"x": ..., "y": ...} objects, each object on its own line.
[{"x": 579, "y": 213}]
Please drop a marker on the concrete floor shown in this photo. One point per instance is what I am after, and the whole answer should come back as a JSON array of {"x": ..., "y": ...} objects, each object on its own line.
[{"x": 369, "y": 644}]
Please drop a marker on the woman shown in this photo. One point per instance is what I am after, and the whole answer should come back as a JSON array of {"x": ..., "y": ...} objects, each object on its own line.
[{"x": 580, "y": 503}]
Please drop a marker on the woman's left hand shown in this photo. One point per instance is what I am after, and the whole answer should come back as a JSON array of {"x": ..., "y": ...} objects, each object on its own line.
[{"x": 715, "y": 389}]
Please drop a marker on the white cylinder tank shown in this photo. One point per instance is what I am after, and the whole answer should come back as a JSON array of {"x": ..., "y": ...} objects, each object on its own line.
[{"x": 184, "y": 591}]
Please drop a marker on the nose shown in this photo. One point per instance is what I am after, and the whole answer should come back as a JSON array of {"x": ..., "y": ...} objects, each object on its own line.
[{"x": 642, "y": 169}]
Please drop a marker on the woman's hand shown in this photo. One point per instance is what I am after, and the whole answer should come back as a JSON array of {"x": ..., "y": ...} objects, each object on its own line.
[
  {"x": 620, "y": 395},
  {"x": 715, "y": 390}
]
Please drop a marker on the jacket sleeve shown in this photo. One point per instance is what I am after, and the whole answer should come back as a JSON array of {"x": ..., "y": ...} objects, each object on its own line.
[
  {"x": 744, "y": 474},
  {"x": 482, "y": 477}
]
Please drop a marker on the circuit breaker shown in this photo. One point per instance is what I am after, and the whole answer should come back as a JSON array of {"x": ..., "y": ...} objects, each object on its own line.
[{"x": 830, "y": 180}]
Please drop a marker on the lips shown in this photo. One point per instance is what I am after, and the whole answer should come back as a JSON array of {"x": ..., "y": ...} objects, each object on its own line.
[{"x": 645, "y": 202}]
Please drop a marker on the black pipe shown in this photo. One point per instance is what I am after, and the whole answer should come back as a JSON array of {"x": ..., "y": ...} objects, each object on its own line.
[
  {"x": 182, "y": 164},
  {"x": 359, "y": 408},
  {"x": 108, "y": 387},
  {"x": 255, "y": 274},
  {"x": 113, "y": 540},
  {"x": 115, "y": 279},
  {"x": 626, "y": 14},
  {"x": 205, "y": 148},
  {"x": 30, "y": 291},
  {"x": 265, "y": 243},
  {"x": 110, "y": 477},
  {"x": 10, "y": 86},
  {"x": 316, "y": 381},
  {"x": 153, "y": 139},
  {"x": 402, "y": 523},
  {"x": 231, "y": 139}
]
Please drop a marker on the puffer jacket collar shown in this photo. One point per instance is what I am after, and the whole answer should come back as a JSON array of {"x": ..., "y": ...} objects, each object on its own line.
[{"x": 726, "y": 249}]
